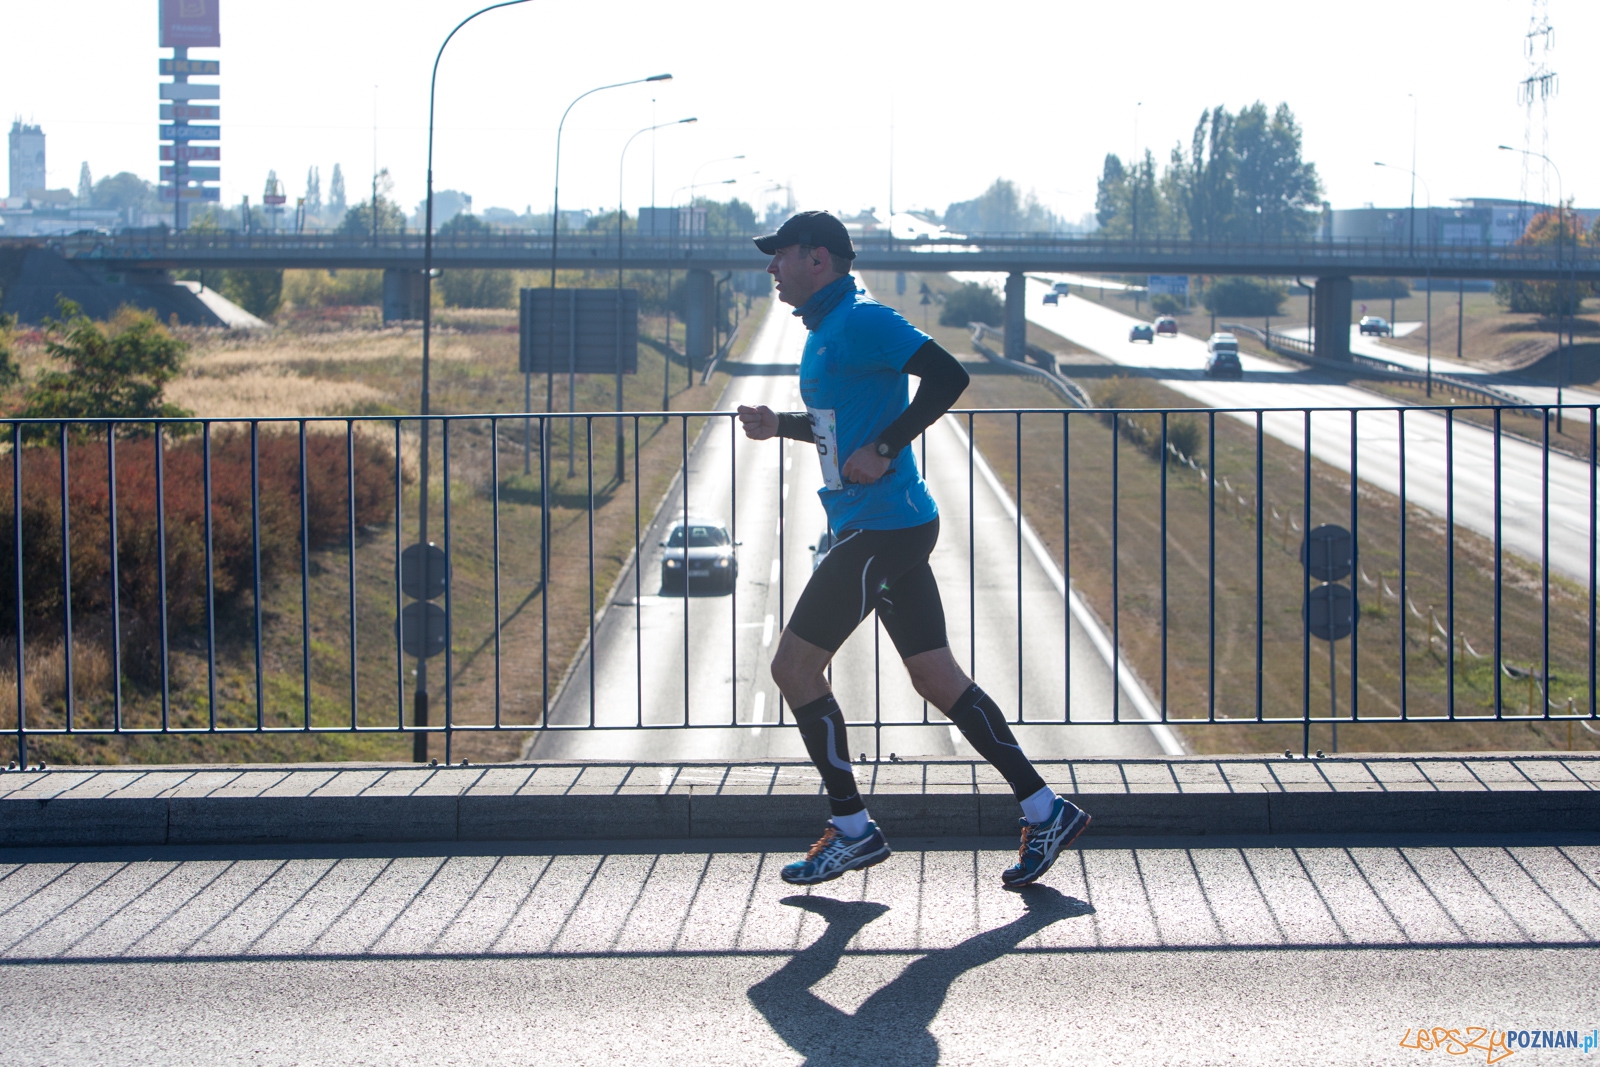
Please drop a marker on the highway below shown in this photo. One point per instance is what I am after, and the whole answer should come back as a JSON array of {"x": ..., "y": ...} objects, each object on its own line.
[
  {"x": 1178, "y": 362},
  {"x": 702, "y": 659},
  {"x": 1171, "y": 952}
]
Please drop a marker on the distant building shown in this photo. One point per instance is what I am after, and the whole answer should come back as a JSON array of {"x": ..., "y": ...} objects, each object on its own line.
[
  {"x": 27, "y": 158},
  {"x": 1472, "y": 221}
]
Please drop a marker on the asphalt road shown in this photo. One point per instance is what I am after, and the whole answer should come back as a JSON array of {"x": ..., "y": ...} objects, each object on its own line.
[
  {"x": 655, "y": 655},
  {"x": 1179, "y": 361},
  {"x": 1329, "y": 953}
]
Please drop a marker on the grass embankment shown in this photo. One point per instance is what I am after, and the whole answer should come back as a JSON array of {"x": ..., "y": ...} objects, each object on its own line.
[
  {"x": 1190, "y": 547},
  {"x": 337, "y": 365}
]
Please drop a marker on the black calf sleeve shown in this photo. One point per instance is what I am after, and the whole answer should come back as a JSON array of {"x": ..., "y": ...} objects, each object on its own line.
[
  {"x": 822, "y": 727},
  {"x": 985, "y": 728}
]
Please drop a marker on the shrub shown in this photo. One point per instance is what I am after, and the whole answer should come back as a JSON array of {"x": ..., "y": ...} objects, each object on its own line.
[
  {"x": 113, "y": 371},
  {"x": 1244, "y": 296},
  {"x": 259, "y": 292},
  {"x": 327, "y": 288},
  {"x": 972, "y": 302},
  {"x": 1143, "y": 428},
  {"x": 139, "y": 534},
  {"x": 1165, "y": 304},
  {"x": 477, "y": 289}
]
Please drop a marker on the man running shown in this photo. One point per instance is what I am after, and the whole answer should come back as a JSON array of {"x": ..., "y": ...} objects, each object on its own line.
[{"x": 885, "y": 524}]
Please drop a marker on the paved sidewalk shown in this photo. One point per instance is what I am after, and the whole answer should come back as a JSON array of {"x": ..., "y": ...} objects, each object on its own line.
[
  {"x": 178, "y": 805},
  {"x": 669, "y": 952}
]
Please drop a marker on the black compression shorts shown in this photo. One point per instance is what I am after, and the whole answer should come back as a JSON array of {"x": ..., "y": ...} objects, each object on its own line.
[{"x": 875, "y": 570}]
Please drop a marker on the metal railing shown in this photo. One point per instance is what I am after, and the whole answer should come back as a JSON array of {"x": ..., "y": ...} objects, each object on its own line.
[
  {"x": 193, "y": 576},
  {"x": 1158, "y": 253}
]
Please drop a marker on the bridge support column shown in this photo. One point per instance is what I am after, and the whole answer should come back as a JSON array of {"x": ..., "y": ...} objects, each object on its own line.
[
  {"x": 1017, "y": 316},
  {"x": 1331, "y": 318},
  {"x": 700, "y": 295},
  {"x": 403, "y": 293}
]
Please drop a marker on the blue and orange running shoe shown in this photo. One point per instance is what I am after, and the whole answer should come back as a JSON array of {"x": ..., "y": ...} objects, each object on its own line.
[
  {"x": 1043, "y": 841},
  {"x": 836, "y": 854}
]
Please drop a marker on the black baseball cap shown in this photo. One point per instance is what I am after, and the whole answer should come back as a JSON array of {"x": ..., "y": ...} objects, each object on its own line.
[{"x": 815, "y": 228}]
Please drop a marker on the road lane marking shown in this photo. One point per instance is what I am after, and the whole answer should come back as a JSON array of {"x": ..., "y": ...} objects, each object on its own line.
[
  {"x": 786, "y": 490},
  {"x": 759, "y": 712},
  {"x": 777, "y": 569},
  {"x": 766, "y": 629},
  {"x": 955, "y": 737}
]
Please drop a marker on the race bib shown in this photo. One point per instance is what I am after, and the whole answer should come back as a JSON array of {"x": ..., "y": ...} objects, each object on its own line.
[{"x": 826, "y": 434}]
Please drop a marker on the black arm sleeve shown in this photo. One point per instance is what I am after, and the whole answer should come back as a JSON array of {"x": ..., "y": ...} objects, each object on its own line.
[
  {"x": 795, "y": 425},
  {"x": 943, "y": 381}
]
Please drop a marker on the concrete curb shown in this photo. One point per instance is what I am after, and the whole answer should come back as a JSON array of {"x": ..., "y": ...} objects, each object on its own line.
[{"x": 706, "y": 813}]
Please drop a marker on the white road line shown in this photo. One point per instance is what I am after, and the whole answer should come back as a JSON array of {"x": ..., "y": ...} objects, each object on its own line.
[
  {"x": 758, "y": 712},
  {"x": 777, "y": 568},
  {"x": 786, "y": 490},
  {"x": 766, "y": 630}
]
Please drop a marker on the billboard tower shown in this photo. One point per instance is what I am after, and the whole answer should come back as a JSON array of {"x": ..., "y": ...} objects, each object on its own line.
[{"x": 189, "y": 112}]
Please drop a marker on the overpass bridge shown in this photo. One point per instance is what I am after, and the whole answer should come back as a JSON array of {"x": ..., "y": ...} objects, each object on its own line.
[{"x": 1331, "y": 263}]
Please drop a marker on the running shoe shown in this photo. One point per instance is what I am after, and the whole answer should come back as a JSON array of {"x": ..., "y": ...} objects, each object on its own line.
[
  {"x": 835, "y": 854},
  {"x": 1043, "y": 841}
]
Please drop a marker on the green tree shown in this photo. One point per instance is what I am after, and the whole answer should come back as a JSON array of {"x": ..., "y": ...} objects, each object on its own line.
[
  {"x": 118, "y": 370},
  {"x": 10, "y": 373},
  {"x": 1549, "y": 229},
  {"x": 1111, "y": 194},
  {"x": 119, "y": 192},
  {"x": 259, "y": 292},
  {"x": 357, "y": 221},
  {"x": 1001, "y": 208},
  {"x": 1252, "y": 297},
  {"x": 1277, "y": 195},
  {"x": 972, "y": 302}
]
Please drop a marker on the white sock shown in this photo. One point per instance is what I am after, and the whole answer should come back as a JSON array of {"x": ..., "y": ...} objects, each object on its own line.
[
  {"x": 1037, "y": 808},
  {"x": 852, "y": 825}
]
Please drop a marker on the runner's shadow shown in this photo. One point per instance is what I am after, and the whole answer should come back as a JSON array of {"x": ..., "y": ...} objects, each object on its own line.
[{"x": 891, "y": 1025}]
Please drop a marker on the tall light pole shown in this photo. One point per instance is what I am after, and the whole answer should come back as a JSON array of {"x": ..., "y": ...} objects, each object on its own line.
[
  {"x": 419, "y": 744},
  {"x": 1412, "y": 214},
  {"x": 555, "y": 235},
  {"x": 1561, "y": 309},
  {"x": 1428, "y": 191},
  {"x": 620, "y": 163}
]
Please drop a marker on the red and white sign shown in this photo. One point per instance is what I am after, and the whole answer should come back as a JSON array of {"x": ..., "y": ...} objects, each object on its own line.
[
  {"x": 190, "y": 24},
  {"x": 171, "y": 152}
]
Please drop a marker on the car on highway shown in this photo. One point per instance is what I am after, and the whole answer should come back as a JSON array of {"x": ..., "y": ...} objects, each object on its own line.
[
  {"x": 1168, "y": 325},
  {"x": 1222, "y": 356},
  {"x": 1052, "y": 298},
  {"x": 1064, "y": 288},
  {"x": 1142, "y": 331},
  {"x": 699, "y": 553},
  {"x": 1374, "y": 324},
  {"x": 820, "y": 550}
]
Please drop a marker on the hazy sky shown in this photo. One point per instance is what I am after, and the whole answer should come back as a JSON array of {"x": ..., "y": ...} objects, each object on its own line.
[{"x": 1036, "y": 92}]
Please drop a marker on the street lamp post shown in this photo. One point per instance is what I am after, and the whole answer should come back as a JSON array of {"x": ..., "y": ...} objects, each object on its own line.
[
  {"x": 1561, "y": 310},
  {"x": 620, "y": 162},
  {"x": 419, "y": 744},
  {"x": 1428, "y": 314},
  {"x": 555, "y": 234}
]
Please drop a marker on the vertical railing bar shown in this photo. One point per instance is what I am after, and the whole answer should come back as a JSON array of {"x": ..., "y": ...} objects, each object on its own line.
[
  {"x": 1405, "y": 595},
  {"x": 116, "y": 578},
  {"x": 923, "y": 469},
  {"x": 399, "y": 646},
  {"x": 1305, "y": 629},
  {"x": 1116, "y": 569},
  {"x": 255, "y": 572},
  {"x": 1544, "y": 560},
  {"x": 66, "y": 579},
  {"x": 494, "y": 520},
  {"x": 1499, "y": 574},
  {"x": 305, "y": 580},
  {"x": 638, "y": 589},
  {"x": 733, "y": 579},
  {"x": 588, "y": 460},
  {"x": 1594, "y": 512},
  {"x": 449, "y": 595},
  {"x": 972, "y": 559},
  {"x": 1211, "y": 566},
  {"x": 161, "y": 576},
  {"x": 544, "y": 571},
  {"x": 211, "y": 582},
  {"x": 16, "y": 564},
  {"x": 350, "y": 561},
  {"x": 683, "y": 449},
  {"x": 781, "y": 562},
  {"x": 1450, "y": 556},
  {"x": 1021, "y": 714},
  {"x": 1165, "y": 683},
  {"x": 1261, "y": 486},
  {"x": 1355, "y": 552},
  {"x": 1066, "y": 560}
]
